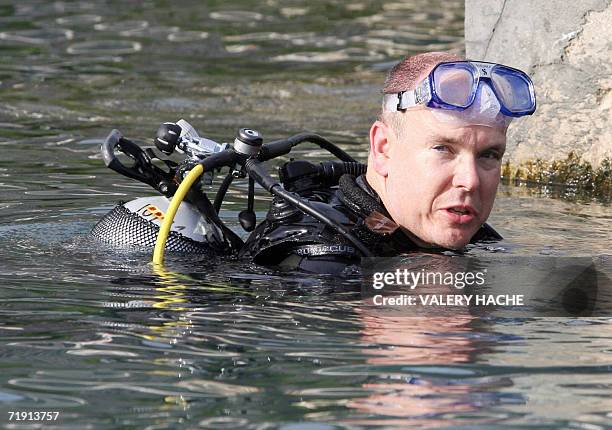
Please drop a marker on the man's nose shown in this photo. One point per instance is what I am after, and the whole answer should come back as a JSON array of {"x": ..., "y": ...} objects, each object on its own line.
[{"x": 466, "y": 174}]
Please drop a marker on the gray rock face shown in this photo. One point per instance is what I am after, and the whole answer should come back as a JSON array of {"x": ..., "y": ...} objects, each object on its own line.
[{"x": 566, "y": 47}]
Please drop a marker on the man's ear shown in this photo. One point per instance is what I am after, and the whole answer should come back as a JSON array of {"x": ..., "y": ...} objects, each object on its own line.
[{"x": 380, "y": 145}]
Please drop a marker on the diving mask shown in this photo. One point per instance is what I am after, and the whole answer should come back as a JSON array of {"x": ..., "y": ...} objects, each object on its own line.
[{"x": 470, "y": 92}]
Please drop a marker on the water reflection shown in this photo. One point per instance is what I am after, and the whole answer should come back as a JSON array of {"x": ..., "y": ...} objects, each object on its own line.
[
  {"x": 454, "y": 396},
  {"x": 39, "y": 36},
  {"x": 107, "y": 47}
]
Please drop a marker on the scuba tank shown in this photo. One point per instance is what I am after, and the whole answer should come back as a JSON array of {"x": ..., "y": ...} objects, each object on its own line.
[{"x": 136, "y": 224}]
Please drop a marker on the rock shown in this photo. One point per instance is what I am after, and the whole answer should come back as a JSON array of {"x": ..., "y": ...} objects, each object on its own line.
[{"x": 566, "y": 47}]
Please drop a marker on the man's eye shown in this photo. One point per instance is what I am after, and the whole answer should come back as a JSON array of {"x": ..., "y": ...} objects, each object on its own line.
[
  {"x": 493, "y": 155},
  {"x": 441, "y": 148}
]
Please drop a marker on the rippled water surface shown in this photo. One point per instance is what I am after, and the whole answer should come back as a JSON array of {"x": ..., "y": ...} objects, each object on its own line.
[{"x": 101, "y": 337}]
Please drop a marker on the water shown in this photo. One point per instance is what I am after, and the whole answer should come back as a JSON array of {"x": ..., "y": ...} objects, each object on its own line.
[{"x": 106, "y": 341}]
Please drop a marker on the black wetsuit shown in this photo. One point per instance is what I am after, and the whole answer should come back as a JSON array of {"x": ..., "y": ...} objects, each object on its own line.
[{"x": 288, "y": 238}]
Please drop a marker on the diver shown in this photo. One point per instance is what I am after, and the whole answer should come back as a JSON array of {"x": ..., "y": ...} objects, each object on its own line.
[
  {"x": 433, "y": 169},
  {"x": 432, "y": 173}
]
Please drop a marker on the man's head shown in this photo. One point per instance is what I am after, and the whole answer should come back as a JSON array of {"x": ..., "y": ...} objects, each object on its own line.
[{"x": 437, "y": 179}]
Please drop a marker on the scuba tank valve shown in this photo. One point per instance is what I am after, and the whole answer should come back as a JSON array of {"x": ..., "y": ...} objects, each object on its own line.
[{"x": 182, "y": 137}]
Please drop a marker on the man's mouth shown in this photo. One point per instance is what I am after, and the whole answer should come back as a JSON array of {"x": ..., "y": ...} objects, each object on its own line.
[{"x": 460, "y": 214}]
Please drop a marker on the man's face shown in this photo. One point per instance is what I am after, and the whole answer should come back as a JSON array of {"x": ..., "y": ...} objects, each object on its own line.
[{"x": 441, "y": 180}]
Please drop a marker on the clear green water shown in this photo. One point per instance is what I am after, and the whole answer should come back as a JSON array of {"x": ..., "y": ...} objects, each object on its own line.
[{"x": 98, "y": 336}]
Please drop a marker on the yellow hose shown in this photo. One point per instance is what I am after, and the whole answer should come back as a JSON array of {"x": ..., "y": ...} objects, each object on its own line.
[{"x": 164, "y": 230}]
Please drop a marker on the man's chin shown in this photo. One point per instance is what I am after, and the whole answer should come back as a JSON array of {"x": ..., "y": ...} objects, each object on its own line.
[
  {"x": 448, "y": 238},
  {"x": 453, "y": 239},
  {"x": 456, "y": 242}
]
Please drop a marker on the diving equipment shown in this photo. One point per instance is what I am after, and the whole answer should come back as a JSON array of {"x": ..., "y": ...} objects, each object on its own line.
[{"x": 197, "y": 226}]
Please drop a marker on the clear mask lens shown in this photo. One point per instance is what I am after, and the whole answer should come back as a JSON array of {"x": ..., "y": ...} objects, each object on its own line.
[
  {"x": 512, "y": 89},
  {"x": 454, "y": 85}
]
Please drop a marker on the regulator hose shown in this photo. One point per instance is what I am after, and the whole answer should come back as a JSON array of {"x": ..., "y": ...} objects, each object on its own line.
[
  {"x": 179, "y": 196},
  {"x": 222, "y": 191},
  {"x": 284, "y": 146},
  {"x": 224, "y": 158}
]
